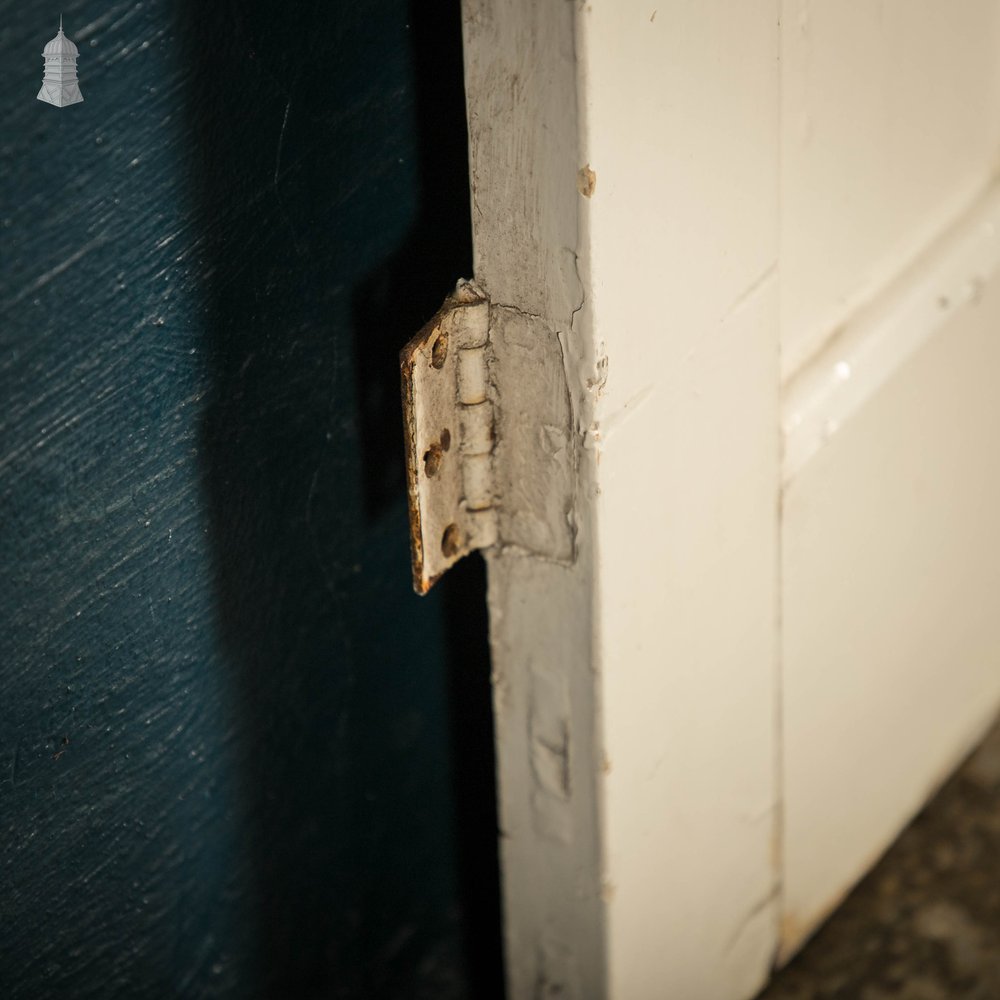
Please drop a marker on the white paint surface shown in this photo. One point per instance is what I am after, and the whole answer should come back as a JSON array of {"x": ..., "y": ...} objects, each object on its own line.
[{"x": 682, "y": 132}]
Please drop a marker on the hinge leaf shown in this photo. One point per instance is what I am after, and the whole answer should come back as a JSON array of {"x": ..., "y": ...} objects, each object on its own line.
[{"x": 448, "y": 426}]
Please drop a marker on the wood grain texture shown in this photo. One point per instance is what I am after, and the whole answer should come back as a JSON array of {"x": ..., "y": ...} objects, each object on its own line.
[{"x": 223, "y": 716}]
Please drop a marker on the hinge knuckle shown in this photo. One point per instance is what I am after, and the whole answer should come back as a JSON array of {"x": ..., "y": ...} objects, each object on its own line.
[
  {"x": 472, "y": 375},
  {"x": 477, "y": 485},
  {"x": 476, "y": 423}
]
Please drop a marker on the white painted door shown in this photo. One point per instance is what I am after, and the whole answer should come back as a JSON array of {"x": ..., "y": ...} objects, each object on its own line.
[{"x": 765, "y": 235}]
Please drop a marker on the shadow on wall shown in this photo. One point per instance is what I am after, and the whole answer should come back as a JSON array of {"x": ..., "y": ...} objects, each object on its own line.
[{"x": 327, "y": 157}]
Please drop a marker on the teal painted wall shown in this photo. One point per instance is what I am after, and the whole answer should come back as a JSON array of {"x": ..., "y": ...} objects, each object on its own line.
[{"x": 238, "y": 757}]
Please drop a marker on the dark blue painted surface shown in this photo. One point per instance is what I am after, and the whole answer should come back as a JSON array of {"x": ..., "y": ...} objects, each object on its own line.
[{"x": 229, "y": 733}]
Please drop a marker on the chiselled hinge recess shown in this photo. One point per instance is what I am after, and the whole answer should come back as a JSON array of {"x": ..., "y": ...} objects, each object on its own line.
[
  {"x": 491, "y": 449},
  {"x": 448, "y": 417}
]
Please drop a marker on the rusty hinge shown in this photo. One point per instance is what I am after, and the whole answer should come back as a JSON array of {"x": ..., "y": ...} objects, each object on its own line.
[
  {"x": 490, "y": 442},
  {"x": 448, "y": 417}
]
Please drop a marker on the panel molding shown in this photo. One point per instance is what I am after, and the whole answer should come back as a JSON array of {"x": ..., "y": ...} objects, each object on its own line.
[{"x": 863, "y": 353}]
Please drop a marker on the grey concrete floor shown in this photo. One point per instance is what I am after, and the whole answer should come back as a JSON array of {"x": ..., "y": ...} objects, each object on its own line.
[{"x": 925, "y": 923}]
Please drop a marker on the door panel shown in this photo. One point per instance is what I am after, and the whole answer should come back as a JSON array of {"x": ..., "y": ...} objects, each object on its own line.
[{"x": 889, "y": 545}]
